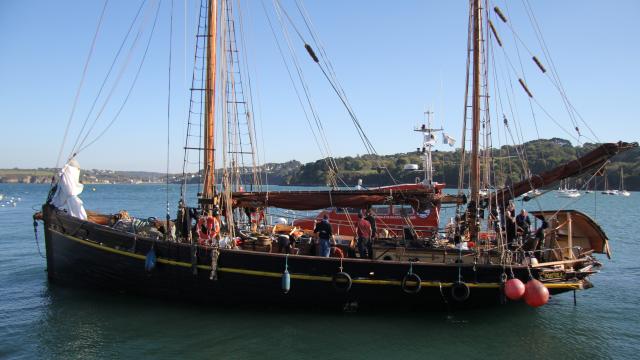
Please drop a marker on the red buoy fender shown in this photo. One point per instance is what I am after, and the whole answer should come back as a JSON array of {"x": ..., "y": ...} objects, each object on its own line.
[
  {"x": 336, "y": 252},
  {"x": 535, "y": 294},
  {"x": 514, "y": 289}
]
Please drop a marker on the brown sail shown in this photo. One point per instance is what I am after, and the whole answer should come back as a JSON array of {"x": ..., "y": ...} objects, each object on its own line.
[
  {"x": 313, "y": 200},
  {"x": 592, "y": 160}
]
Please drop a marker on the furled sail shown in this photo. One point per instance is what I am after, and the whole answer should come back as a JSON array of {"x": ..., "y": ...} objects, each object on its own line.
[
  {"x": 69, "y": 187},
  {"x": 592, "y": 160},
  {"x": 420, "y": 199}
]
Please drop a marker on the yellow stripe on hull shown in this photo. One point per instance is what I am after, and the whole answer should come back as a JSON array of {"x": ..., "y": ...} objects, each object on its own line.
[{"x": 570, "y": 286}]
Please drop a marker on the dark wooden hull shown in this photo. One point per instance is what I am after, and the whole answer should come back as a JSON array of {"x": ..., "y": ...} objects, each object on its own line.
[{"x": 84, "y": 254}]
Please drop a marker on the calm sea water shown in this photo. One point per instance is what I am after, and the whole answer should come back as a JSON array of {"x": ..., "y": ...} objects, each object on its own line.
[{"x": 40, "y": 320}]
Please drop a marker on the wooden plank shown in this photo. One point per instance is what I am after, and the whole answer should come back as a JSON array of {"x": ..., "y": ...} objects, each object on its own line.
[{"x": 562, "y": 262}]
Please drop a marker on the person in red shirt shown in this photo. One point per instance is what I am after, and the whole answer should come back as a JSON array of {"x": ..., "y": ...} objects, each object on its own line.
[{"x": 363, "y": 232}]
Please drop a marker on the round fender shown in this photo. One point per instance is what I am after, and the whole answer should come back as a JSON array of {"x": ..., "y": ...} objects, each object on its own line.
[
  {"x": 411, "y": 283},
  {"x": 150, "y": 260},
  {"x": 460, "y": 291},
  {"x": 286, "y": 281},
  {"x": 341, "y": 281}
]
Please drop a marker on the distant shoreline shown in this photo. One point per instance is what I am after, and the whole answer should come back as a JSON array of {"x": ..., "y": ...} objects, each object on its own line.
[{"x": 379, "y": 170}]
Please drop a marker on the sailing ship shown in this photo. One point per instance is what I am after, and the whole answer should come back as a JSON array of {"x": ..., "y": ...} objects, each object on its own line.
[{"x": 212, "y": 258}]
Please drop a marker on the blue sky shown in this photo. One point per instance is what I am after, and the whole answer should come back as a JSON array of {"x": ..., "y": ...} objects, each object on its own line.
[{"x": 393, "y": 59}]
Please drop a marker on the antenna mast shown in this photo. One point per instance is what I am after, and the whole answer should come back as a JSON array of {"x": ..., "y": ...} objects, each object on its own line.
[{"x": 428, "y": 141}]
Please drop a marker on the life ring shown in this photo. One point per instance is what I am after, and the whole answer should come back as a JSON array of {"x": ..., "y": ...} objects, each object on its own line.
[
  {"x": 341, "y": 281},
  {"x": 212, "y": 227},
  {"x": 257, "y": 216},
  {"x": 202, "y": 235},
  {"x": 336, "y": 252},
  {"x": 411, "y": 283},
  {"x": 460, "y": 291}
]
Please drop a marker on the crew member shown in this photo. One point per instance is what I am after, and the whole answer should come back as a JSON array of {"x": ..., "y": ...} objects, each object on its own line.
[
  {"x": 323, "y": 229},
  {"x": 523, "y": 222},
  {"x": 363, "y": 231},
  {"x": 510, "y": 222},
  {"x": 374, "y": 231}
]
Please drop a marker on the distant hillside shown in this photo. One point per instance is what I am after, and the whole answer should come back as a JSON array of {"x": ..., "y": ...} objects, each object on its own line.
[
  {"x": 374, "y": 170},
  {"x": 541, "y": 155}
]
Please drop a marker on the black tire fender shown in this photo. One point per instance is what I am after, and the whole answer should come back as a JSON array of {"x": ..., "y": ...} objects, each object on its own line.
[
  {"x": 408, "y": 281},
  {"x": 341, "y": 281},
  {"x": 460, "y": 291}
]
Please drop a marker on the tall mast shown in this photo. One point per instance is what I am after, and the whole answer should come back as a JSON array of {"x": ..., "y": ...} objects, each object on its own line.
[
  {"x": 475, "y": 132},
  {"x": 208, "y": 191}
]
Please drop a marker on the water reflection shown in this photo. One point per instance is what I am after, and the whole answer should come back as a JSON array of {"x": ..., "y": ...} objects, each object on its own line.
[{"x": 90, "y": 325}]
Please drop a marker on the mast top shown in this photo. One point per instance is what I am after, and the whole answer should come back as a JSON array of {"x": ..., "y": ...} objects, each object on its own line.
[{"x": 426, "y": 128}]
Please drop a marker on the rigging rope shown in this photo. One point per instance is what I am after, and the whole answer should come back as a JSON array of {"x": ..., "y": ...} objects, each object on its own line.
[
  {"x": 135, "y": 79},
  {"x": 192, "y": 102},
  {"x": 552, "y": 74},
  {"x": 318, "y": 137},
  {"x": 84, "y": 74},
  {"x": 331, "y": 78},
  {"x": 253, "y": 138},
  {"x": 106, "y": 78},
  {"x": 168, "y": 216},
  {"x": 533, "y": 115},
  {"x": 117, "y": 81}
]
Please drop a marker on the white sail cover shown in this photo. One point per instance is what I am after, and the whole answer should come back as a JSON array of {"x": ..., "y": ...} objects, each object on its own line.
[{"x": 69, "y": 187}]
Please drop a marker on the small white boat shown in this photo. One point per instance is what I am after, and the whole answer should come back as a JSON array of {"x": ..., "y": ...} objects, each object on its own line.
[{"x": 572, "y": 193}]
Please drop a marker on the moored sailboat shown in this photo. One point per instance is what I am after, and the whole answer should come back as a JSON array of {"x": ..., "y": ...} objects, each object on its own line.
[
  {"x": 606, "y": 190},
  {"x": 622, "y": 190}
]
